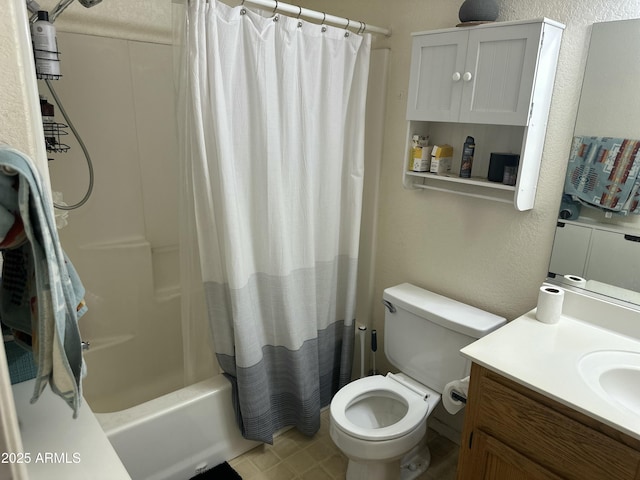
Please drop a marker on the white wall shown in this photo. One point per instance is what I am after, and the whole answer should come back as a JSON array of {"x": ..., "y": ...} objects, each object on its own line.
[{"x": 143, "y": 20}]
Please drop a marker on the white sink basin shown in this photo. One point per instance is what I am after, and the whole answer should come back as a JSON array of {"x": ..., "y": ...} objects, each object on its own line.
[{"x": 615, "y": 376}]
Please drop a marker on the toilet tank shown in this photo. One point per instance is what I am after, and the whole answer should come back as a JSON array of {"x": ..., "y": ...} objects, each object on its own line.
[{"x": 425, "y": 332}]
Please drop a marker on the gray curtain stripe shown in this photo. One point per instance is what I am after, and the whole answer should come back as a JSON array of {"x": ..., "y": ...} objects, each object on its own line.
[
  {"x": 289, "y": 387},
  {"x": 276, "y": 386}
]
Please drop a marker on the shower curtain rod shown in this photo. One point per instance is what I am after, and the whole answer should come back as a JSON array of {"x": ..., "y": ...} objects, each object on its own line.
[{"x": 298, "y": 11}]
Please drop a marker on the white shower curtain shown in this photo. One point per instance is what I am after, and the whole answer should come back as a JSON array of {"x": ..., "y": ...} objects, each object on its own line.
[{"x": 273, "y": 115}]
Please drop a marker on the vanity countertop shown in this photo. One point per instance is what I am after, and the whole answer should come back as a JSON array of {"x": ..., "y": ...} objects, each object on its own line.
[{"x": 545, "y": 359}]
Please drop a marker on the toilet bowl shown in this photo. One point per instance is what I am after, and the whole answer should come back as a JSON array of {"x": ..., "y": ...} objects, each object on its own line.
[
  {"x": 376, "y": 421},
  {"x": 380, "y": 422}
]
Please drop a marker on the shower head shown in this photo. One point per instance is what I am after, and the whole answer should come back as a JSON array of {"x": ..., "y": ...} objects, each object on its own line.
[
  {"x": 89, "y": 3},
  {"x": 63, "y": 4}
]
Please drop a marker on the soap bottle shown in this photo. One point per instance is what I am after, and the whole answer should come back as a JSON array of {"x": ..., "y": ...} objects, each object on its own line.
[{"x": 467, "y": 157}]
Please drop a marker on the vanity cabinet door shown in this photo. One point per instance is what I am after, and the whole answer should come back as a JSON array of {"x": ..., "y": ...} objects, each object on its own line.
[
  {"x": 435, "y": 85},
  {"x": 493, "y": 460},
  {"x": 570, "y": 249},
  {"x": 615, "y": 259}
]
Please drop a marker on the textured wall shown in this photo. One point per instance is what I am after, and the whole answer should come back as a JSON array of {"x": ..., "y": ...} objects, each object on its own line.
[
  {"x": 18, "y": 112},
  {"x": 145, "y": 20},
  {"x": 19, "y": 107},
  {"x": 483, "y": 253}
]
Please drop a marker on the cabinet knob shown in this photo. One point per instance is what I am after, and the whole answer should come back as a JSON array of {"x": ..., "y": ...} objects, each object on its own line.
[
  {"x": 456, "y": 77},
  {"x": 467, "y": 76}
]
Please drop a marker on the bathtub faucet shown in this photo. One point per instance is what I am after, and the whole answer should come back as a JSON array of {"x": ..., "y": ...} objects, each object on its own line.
[{"x": 85, "y": 345}]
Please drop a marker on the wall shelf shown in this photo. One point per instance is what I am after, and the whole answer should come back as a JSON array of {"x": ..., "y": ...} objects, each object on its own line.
[{"x": 477, "y": 181}]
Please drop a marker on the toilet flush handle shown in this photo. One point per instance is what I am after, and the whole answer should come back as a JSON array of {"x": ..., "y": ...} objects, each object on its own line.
[{"x": 389, "y": 306}]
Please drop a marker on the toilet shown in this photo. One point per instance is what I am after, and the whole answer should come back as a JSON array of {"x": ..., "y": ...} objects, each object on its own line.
[{"x": 379, "y": 422}]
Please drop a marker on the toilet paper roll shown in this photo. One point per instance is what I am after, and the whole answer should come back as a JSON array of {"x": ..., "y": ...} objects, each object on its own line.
[
  {"x": 574, "y": 281},
  {"x": 549, "y": 307},
  {"x": 461, "y": 387}
]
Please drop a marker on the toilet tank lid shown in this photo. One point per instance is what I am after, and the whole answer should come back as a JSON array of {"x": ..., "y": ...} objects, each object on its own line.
[{"x": 443, "y": 311}]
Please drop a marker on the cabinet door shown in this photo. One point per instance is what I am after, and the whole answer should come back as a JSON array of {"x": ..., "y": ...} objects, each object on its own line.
[
  {"x": 434, "y": 92},
  {"x": 499, "y": 74},
  {"x": 570, "y": 249},
  {"x": 615, "y": 259},
  {"x": 493, "y": 460}
]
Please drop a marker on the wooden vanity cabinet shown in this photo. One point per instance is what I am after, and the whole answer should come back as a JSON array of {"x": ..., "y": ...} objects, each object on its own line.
[{"x": 514, "y": 433}]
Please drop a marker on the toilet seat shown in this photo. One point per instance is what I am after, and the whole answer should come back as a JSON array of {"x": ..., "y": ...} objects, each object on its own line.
[{"x": 377, "y": 385}]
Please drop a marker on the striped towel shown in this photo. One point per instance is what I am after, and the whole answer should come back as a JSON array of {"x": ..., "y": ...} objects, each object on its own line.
[
  {"x": 41, "y": 296},
  {"x": 603, "y": 172}
]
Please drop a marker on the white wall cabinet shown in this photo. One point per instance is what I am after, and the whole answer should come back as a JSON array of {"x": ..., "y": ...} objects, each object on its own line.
[
  {"x": 496, "y": 80},
  {"x": 483, "y": 75}
]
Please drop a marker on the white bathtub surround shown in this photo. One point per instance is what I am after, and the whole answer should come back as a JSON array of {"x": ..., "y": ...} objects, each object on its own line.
[
  {"x": 273, "y": 146},
  {"x": 124, "y": 241}
]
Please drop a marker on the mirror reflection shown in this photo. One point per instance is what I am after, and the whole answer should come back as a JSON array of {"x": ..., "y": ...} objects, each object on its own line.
[{"x": 597, "y": 242}]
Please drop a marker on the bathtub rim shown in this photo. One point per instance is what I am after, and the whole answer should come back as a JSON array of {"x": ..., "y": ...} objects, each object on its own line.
[{"x": 115, "y": 422}]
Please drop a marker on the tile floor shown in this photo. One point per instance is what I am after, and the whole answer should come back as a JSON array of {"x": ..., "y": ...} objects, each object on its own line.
[{"x": 295, "y": 456}]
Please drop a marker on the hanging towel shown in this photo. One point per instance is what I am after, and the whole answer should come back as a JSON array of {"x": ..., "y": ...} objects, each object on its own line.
[
  {"x": 603, "y": 173},
  {"x": 41, "y": 295}
]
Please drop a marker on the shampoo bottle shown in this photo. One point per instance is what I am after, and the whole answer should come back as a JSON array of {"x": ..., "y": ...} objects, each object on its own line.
[
  {"x": 45, "y": 47},
  {"x": 467, "y": 157}
]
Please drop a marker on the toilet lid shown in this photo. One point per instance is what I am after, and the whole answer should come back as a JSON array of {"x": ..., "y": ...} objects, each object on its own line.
[{"x": 400, "y": 410}]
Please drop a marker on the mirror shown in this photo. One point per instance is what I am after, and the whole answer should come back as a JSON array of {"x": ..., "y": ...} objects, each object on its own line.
[{"x": 602, "y": 250}]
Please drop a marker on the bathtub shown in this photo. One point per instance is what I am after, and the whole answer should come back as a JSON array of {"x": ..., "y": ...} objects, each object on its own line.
[
  {"x": 177, "y": 435},
  {"x": 160, "y": 429}
]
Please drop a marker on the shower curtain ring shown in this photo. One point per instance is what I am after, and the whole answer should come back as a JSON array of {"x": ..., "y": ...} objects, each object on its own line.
[
  {"x": 298, "y": 17},
  {"x": 359, "y": 28},
  {"x": 276, "y": 8},
  {"x": 346, "y": 33},
  {"x": 324, "y": 17}
]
